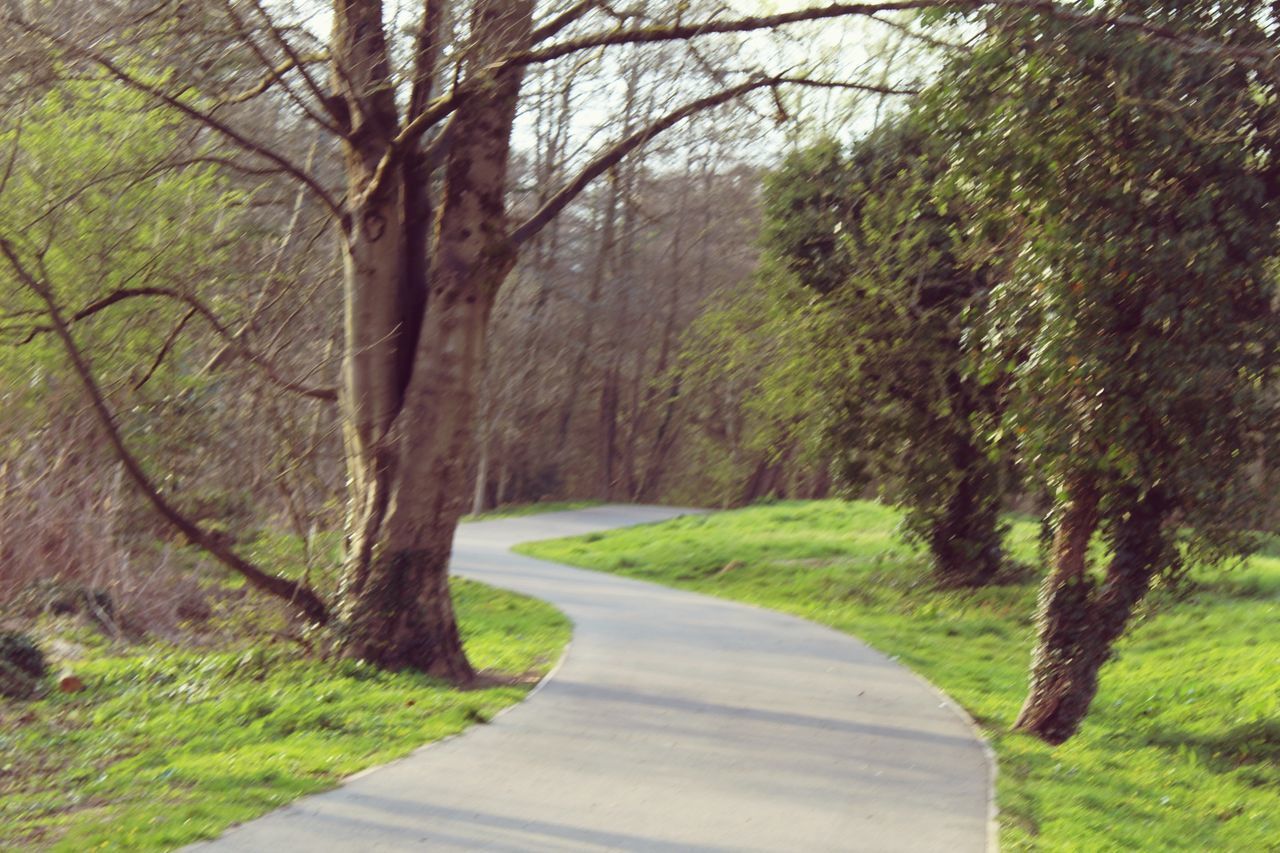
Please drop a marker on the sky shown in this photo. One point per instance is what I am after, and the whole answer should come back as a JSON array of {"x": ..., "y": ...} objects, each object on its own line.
[{"x": 832, "y": 49}]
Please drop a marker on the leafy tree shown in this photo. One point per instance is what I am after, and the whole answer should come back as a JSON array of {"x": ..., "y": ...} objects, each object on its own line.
[
  {"x": 77, "y": 186},
  {"x": 1134, "y": 184},
  {"x": 750, "y": 370},
  {"x": 909, "y": 411},
  {"x": 110, "y": 229}
]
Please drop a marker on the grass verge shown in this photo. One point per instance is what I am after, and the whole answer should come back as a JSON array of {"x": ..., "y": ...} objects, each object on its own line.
[
  {"x": 170, "y": 745},
  {"x": 520, "y": 510},
  {"x": 1182, "y": 748}
]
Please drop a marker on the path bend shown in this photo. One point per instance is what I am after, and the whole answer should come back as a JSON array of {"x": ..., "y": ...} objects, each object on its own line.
[{"x": 676, "y": 722}]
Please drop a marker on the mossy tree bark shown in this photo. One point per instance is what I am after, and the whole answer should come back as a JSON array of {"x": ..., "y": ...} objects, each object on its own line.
[
  {"x": 1080, "y": 619},
  {"x": 965, "y": 538}
]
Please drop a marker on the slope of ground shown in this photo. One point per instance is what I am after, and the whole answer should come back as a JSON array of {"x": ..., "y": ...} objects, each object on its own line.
[
  {"x": 167, "y": 745},
  {"x": 677, "y": 722},
  {"x": 1181, "y": 749}
]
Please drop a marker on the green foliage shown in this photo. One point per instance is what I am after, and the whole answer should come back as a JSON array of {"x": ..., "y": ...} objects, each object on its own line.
[
  {"x": 168, "y": 746},
  {"x": 1179, "y": 752},
  {"x": 110, "y": 199},
  {"x": 746, "y": 370},
  {"x": 1132, "y": 186},
  {"x": 915, "y": 415},
  {"x": 92, "y": 206},
  {"x": 807, "y": 205},
  {"x": 866, "y": 302}
]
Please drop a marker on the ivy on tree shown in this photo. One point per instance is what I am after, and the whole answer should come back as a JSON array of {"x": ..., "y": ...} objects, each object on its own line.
[
  {"x": 1133, "y": 186},
  {"x": 909, "y": 412}
]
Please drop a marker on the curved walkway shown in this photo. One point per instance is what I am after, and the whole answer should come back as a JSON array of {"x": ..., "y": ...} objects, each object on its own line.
[{"x": 675, "y": 722}]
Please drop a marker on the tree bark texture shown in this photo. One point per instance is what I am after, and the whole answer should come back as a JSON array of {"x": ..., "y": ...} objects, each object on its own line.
[
  {"x": 1079, "y": 618},
  {"x": 417, "y": 314}
]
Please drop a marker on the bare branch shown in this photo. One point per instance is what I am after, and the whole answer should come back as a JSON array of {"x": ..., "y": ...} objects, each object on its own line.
[
  {"x": 300, "y": 596},
  {"x": 754, "y": 23},
  {"x": 165, "y": 349},
  {"x": 426, "y": 56},
  {"x": 205, "y": 118},
  {"x": 615, "y": 153},
  {"x": 294, "y": 62},
  {"x": 316, "y": 90},
  {"x": 564, "y": 19},
  {"x": 941, "y": 44},
  {"x": 233, "y": 341},
  {"x": 264, "y": 85},
  {"x": 872, "y": 88}
]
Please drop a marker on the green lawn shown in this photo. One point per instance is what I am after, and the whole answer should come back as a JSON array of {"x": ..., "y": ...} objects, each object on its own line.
[
  {"x": 169, "y": 745},
  {"x": 1182, "y": 748}
]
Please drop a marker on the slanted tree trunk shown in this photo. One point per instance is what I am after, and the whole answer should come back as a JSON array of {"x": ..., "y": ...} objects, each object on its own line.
[{"x": 1079, "y": 619}]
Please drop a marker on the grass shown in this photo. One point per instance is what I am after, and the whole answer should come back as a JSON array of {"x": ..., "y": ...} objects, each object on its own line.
[
  {"x": 519, "y": 510},
  {"x": 1182, "y": 748},
  {"x": 168, "y": 745}
]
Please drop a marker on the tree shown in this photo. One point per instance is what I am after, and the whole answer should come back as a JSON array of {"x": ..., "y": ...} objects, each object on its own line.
[
  {"x": 71, "y": 183},
  {"x": 749, "y": 371},
  {"x": 911, "y": 412},
  {"x": 425, "y": 235},
  {"x": 1139, "y": 310}
]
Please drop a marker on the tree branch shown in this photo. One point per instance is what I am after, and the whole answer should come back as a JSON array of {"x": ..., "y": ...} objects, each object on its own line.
[
  {"x": 446, "y": 104},
  {"x": 564, "y": 19},
  {"x": 186, "y": 109},
  {"x": 872, "y": 88},
  {"x": 609, "y": 158},
  {"x": 300, "y": 596},
  {"x": 239, "y": 347},
  {"x": 753, "y": 23},
  {"x": 316, "y": 90},
  {"x": 279, "y": 70},
  {"x": 1264, "y": 58},
  {"x": 165, "y": 349}
]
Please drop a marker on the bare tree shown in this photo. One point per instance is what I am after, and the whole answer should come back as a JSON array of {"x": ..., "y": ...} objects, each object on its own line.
[{"x": 421, "y": 209}]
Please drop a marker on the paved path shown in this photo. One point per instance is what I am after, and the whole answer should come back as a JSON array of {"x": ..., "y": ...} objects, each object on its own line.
[{"x": 676, "y": 722}]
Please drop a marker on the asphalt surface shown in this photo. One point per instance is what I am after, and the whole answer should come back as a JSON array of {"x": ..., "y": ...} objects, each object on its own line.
[{"x": 676, "y": 722}]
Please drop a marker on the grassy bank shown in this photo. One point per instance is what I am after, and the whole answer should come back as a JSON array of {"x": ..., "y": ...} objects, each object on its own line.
[
  {"x": 522, "y": 510},
  {"x": 169, "y": 745},
  {"x": 1182, "y": 748}
]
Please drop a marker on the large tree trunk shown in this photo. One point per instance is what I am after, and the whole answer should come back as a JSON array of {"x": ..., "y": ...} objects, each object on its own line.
[
  {"x": 403, "y": 617},
  {"x": 1079, "y": 620},
  {"x": 416, "y": 340},
  {"x": 374, "y": 369}
]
